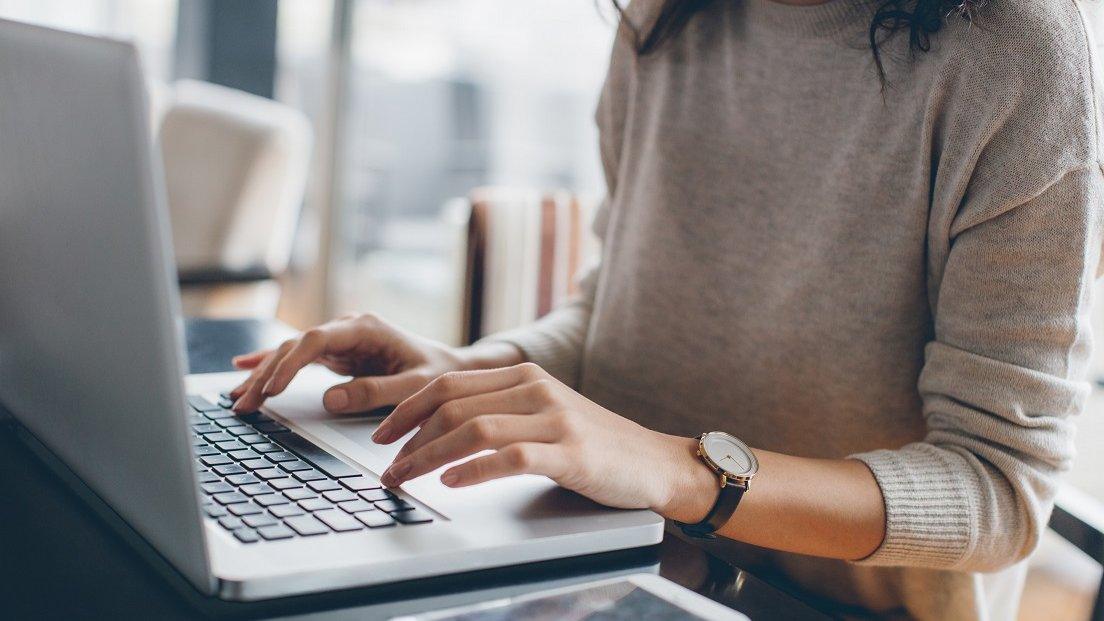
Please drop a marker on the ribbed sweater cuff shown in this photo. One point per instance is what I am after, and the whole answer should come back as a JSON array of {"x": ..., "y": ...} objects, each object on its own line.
[{"x": 930, "y": 504}]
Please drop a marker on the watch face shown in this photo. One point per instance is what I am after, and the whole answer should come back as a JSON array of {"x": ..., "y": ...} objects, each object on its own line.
[{"x": 732, "y": 455}]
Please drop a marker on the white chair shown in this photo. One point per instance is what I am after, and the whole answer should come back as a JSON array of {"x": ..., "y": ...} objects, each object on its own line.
[{"x": 235, "y": 174}]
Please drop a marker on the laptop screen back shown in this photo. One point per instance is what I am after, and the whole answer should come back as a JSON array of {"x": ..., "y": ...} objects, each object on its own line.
[{"x": 90, "y": 354}]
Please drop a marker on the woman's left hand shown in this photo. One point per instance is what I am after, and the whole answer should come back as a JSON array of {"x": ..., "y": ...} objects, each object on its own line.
[{"x": 536, "y": 425}]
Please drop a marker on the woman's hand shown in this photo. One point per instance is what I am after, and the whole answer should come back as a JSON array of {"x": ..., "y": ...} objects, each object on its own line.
[
  {"x": 389, "y": 364},
  {"x": 537, "y": 425}
]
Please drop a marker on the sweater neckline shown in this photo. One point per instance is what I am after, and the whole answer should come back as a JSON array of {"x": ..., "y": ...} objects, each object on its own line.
[{"x": 818, "y": 20}]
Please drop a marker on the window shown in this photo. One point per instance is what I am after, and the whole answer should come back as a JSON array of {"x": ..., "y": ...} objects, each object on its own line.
[{"x": 441, "y": 96}]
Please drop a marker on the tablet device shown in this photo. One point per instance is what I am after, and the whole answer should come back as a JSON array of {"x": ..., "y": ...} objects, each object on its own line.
[{"x": 643, "y": 597}]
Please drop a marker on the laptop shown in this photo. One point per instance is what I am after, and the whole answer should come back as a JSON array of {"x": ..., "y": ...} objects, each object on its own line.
[{"x": 278, "y": 502}]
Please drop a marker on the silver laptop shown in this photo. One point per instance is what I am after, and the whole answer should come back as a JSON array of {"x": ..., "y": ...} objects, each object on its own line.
[{"x": 280, "y": 502}]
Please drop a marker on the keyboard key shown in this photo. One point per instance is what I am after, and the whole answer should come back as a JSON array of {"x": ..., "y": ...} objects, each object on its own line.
[
  {"x": 215, "y": 460},
  {"x": 195, "y": 419},
  {"x": 295, "y": 466},
  {"x": 243, "y": 455},
  {"x": 299, "y": 494},
  {"x": 323, "y": 485},
  {"x": 270, "y": 499},
  {"x": 200, "y": 404},
  {"x": 257, "y": 489},
  {"x": 270, "y": 427},
  {"x": 280, "y": 456},
  {"x": 214, "y": 511},
  {"x": 205, "y": 428},
  {"x": 208, "y": 477},
  {"x": 277, "y": 531},
  {"x": 229, "y": 469},
  {"x": 218, "y": 436},
  {"x": 230, "y": 522},
  {"x": 270, "y": 473},
  {"x": 230, "y": 498},
  {"x": 225, "y": 402},
  {"x": 306, "y": 525},
  {"x": 242, "y": 478},
  {"x": 205, "y": 450},
  {"x": 339, "y": 521},
  {"x": 309, "y": 452},
  {"x": 218, "y": 415},
  {"x": 339, "y": 495},
  {"x": 216, "y": 488},
  {"x": 282, "y": 484},
  {"x": 362, "y": 483},
  {"x": 253, "y": 438},
  {"x": 376, "y": 495},
  {"x": 393, "y": 506},
  {"x": 254, "y": 417},
  {"x": 246, "y": 535},
  {"x": 228, "y": 422},
  {"x": 256, "y": 464},
  {"x": 315, "y": 504},
  {"x": 266, "y": 447},
  {"x": 283, "y": 511},
  {"x": 308, "y": 475},
  {"x": 356, "y": 506},
  {"x": 375, "y": 519},
  {"x": 239, "y": 430},
  {"x": 256, "y": 521},
  {"x": 247, "y": 508},
  {"x": 230, "y": 445},
  {"x": 414, "y": 516}
]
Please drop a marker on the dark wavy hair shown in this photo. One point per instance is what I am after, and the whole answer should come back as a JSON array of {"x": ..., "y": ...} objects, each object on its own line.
[{"x": 919, "y": 18}]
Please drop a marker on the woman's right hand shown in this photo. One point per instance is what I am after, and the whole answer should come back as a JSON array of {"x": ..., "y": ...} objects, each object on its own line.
[{"x": 387, "y": 363}]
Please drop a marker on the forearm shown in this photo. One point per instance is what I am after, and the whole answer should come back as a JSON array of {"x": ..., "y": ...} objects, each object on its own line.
[{"x": 820, "y": 507}]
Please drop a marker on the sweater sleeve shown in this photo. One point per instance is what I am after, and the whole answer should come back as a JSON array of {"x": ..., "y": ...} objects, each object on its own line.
[
  {"x": 1001, "y": 380},
  {"x": 555, "y": 341}
]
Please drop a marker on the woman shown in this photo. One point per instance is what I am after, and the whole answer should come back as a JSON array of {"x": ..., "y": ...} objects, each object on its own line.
[{"x": 858, "y": 235}]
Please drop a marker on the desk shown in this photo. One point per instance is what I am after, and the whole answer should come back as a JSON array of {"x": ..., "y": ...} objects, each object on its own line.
[{"x": 57, "y": 560}]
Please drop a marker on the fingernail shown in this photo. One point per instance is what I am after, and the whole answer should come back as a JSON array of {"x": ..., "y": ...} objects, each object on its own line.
[
  {"x": 381, "y": 434},
  {"x": 397, "y": 471},
  {"x": 450, "y": 478},
  {"x": 336, "y": 399},
  {"x": 267, "y": 390}
]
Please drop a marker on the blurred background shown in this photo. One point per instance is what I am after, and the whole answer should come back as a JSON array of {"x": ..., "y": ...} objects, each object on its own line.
[
  {"x": 434, "y": 161},
  {"x": 411, "y": 106}
]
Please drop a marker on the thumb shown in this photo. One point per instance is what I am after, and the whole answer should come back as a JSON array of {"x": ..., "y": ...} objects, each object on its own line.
[{"x": 368, "y": 393}]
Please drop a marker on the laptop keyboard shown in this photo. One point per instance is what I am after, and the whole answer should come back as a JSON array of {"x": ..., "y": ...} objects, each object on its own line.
[{"x": 263, "y": 482}]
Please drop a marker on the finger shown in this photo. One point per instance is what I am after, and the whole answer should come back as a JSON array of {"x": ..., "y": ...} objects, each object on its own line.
[
  {"x": 368, "y": 393},
  {"x": 310, "y": 346},
  {"x": 453, "y": 414},
  {"x": 339, "y": 365},
  {"x": 447, "y": 387},
  {"x": 478, "y": 434},
  {"x": 250, "y": 360},
  {"x": 242, "y": 388},
  {"x": 521, "y": 458},
  {"x": 245, "y": 362},
  {"x": 252, "y": 397}
]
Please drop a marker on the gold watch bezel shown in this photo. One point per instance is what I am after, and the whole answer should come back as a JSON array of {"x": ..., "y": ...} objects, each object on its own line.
[{"x": 724, "y": 476}]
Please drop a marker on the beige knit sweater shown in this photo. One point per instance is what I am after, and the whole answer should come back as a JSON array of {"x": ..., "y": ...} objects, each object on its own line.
[{"x": 827, "y": 271}]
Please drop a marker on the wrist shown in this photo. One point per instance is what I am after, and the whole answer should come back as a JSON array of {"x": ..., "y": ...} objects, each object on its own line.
[
  {"x": 692, "y": 488},
  {"x": 488, "y": 355}
]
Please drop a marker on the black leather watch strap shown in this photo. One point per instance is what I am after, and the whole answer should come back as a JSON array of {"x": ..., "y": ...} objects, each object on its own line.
[{"x": 722, "y": 511}]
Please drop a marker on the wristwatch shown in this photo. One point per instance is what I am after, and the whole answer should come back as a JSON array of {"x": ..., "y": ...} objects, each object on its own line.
[{"x": 735, "y": 465}]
